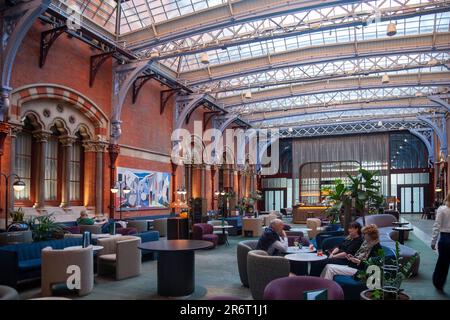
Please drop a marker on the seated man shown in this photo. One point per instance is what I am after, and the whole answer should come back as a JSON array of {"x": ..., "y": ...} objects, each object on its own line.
[
  {"x": 339, "y": 254},
  {"x": 274, "y": 240},
  {"x": 84, "y": 219}
]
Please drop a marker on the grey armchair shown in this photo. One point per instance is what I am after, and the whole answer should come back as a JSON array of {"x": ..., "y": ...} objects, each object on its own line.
[
  {"x": 122, "y": 253},
  {"x": 8, "y": 293},
  {"x": 54, "y": 268},
  {"x": 243, "y": 248},
  {"x": 262, "y": 269}
]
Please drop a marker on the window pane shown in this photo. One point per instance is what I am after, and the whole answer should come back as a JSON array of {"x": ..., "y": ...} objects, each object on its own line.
[
  {"x": 51, "y": 170},
  {"x": 75, "y": 172},
  {"x": 23, "y": 164}
]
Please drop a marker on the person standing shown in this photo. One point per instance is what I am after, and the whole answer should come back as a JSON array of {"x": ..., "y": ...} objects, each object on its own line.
[{"x": 441, "y": 229}]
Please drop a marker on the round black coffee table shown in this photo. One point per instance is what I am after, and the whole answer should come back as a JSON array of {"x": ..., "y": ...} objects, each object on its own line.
[
  {"x": 401, "y": 233},
  {"x": 176, "y": 265}
]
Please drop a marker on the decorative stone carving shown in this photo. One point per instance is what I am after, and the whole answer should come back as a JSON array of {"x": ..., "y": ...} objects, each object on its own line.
[
  {"x": 42, "y": 136},
  {"x": 116, "y": 129}
]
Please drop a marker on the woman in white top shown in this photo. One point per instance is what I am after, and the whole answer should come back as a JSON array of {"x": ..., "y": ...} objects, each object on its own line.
[{"x": 441, "y": 228}]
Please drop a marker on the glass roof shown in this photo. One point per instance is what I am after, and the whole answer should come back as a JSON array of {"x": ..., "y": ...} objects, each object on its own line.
[
  {"x": 334, "y": 98},
  {"x": 411, "y": 26},
  {"x": 336, "y": 117},
  {"x": 139, "y": 14},
  {"x": 399, "y": 64}
]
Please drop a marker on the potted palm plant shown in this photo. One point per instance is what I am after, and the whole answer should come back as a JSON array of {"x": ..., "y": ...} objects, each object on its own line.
[
  {"x": 393, "y": 272},
  {"x": 44, "y": 227}
]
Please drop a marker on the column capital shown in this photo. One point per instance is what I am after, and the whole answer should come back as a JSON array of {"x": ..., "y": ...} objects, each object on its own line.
[
  {"x": 15, "y": 129},
  {"x": 94, "y": 146},
  {"x": 42, "y": 135},
  {"x": 67, "y": 141}
]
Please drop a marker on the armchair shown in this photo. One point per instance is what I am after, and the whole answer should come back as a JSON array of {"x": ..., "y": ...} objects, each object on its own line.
[
  {"x": 243, "y": 248},
  {"x": 160, "y": 225},
  {"x": 54, "y": 268},
  {"x": 122, "y": 253},
  {"x": 204, "y": 231},
  {"x": 252, "y": 227},
  {"x": 262, "y": 269},
  {"x": 139, "y": 225}
]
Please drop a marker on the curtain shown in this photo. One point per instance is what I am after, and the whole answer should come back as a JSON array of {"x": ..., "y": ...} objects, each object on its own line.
[{"x": 371, "y": 150}]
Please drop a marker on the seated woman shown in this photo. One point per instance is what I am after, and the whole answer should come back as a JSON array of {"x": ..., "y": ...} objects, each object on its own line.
[
  {"x": 84, "y": 219},
  {"x": 369, "y": 248},
  {"x": 339, "y": 254},
  {"x": 273, "y": 240}
]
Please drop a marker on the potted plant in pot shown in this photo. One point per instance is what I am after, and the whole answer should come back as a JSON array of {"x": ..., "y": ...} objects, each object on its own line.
[
  {"x": 393, "y": 272},
  {"x": 44, "y": 227}
]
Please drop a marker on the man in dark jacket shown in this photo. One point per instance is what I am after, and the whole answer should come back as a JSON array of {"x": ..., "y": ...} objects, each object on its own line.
[{"x": 273, "y": 240}]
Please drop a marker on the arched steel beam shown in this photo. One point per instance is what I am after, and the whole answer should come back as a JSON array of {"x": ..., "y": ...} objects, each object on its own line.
[
  {"x": 439, "y": 130},
  {"x": 16, "y": 21},
  {"x": 426, "y": 136}
]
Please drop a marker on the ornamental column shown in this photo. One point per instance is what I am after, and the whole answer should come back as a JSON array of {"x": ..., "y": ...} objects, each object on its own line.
[
  {"x": 114, "y": 150},
  {"x": 67, "y": 143},
  {"x": 15, "y": 130},
  {"x": 41, "y": 138}
]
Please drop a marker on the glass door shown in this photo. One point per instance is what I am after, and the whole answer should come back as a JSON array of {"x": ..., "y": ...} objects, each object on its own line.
[
  {"x": 275, "y": 199},
  {"x": 412, "y": 199}
]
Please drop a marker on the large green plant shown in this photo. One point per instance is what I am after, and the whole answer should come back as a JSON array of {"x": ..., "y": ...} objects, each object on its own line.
[
  {"x": 365, "y": 190},
  {"x": 44, "y": 227},
  {"x": 393, "y": 272},
  {"x": 339, "y": 199}
]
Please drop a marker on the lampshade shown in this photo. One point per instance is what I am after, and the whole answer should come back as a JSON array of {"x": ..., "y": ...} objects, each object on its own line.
[
  {"x": 19, "y": 185},
  {"x": 114, "y": 189},
  {"x": 222, "y": 193},
  {"x": 438, "y": 189},
  {"x": 204, "y": 58},
  {"x": 385, "y": 79},
  {"x": 290, "y": 129},
  {"x": 248, "y": 95},
  {"x": 126, "y": 189},
  {"x": 380, "y": 123},
  {"x": 216, "y": 192},
  {"x": 391, "y": 29}
]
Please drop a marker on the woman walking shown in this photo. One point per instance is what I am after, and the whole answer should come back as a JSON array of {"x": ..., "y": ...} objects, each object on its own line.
[{"x": 441, "y": 229}]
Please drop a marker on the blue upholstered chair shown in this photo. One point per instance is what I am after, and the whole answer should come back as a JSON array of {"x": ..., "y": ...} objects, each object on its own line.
[
  {"x": 327, "y": 234},
  {"x": 332, "y": 242}
]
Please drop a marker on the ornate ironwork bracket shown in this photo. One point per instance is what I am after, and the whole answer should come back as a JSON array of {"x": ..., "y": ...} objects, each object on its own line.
[
  {"x": 96, "y": 62},
  {"x": 440, "y": 100},
  {"x": 207, "y": 116},
  {"x": 138, "y": 84},
  {"x": 426, "y": 136},
  {"x": 165, "y": 96},
  {"x": 49, "y": 37},
  {"x": 438, "y": 124}
]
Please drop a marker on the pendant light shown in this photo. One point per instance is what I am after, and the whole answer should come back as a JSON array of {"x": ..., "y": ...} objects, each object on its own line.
[
  {"x": 385, "y": 79},
  {"x": 204, "y": 58},
  {"x": 391, "y": 29}
]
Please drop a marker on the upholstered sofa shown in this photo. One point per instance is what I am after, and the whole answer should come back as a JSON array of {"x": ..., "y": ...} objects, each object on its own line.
[
  {"x": 22, "y": 261},
  {"x": 243, "y": 248},
  {"x": 389, "y": 236},
  {"x": 236, "y": 222}
]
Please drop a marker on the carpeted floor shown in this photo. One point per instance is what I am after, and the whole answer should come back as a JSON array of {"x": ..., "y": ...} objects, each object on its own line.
[{"x": 217, "y": 275}]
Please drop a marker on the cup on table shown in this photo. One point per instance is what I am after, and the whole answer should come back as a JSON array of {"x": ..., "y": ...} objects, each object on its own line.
[{"x": 319, "y": 253}]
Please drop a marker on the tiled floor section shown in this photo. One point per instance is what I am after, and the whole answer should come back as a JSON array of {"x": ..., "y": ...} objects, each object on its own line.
[{"x": 217, "y": 274}]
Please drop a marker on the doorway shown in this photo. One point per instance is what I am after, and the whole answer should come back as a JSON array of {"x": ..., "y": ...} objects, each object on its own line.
[
  {"x": 412, "y": 198},
  {"x": 274, "y": 199}
]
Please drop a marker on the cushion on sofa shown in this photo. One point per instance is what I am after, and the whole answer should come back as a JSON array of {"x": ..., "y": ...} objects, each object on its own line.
[{"x": 25, "y": 265}]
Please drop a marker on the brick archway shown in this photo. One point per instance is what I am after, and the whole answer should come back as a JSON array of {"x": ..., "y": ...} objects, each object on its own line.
[{"x": 52, "y": 91}]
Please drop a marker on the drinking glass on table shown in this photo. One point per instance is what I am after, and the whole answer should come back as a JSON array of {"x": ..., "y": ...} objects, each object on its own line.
[
  {"x": 319, "y": 252},
  {"x": 296, "y": 243}
]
